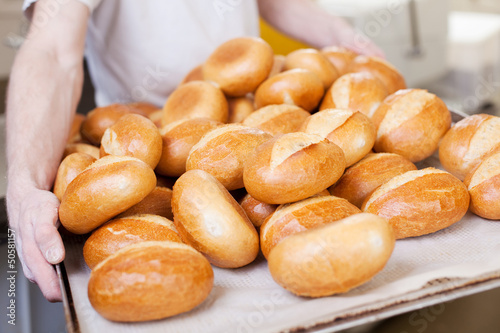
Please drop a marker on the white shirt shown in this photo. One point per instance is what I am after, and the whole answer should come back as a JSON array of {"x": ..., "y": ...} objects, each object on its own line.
[{"x": 139, "y": 50}]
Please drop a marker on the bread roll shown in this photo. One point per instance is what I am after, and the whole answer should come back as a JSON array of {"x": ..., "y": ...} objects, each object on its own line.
[
  {"x": 278, "y": 64},
  {"x": 467, "y": 142},
  {"x": 85, "y": 148},
  {"x": 133, "y": 135},
  {"x": 380, "y": 68},
  {"x": 361, "y": 179},
  {"x": 352, "y": 131},
  {"x": 209, "y": 219},
  {"x": 70, "y": 167},
  {"x": 99, "y": 119},
  {"x": 277, "y": 119},
  {"x": 410, "y": 123},
  {"x": 314, "y": 61},
  {"x": 340, "y": 57},
  {"x": 256, "y": 211},
  {"x": 143, "y": 108},
  {"x": 419, "y": 202},
  {"x": 299, "y": 216},
  {"x": 223, "y": 151},
  {"x": 156, "y": 117},
  {"x": 355, "y": 91},
  {"x": 239, "y": 65},
  {"x": 292, "y": 167},
  {"x": 178, "y": 139},
  {"x": 196, "y": 74},
  {"x": 295, "y": 87},
  {"x": 158, "y": 202},
  {"x": 195, "y": 99},
  {"x": 483, "y": 183},
  {"x": 106, "y": 188},
  {"x": 121, "y": 232},
  {"x": 149, "y": 281},
  {"x": 240, "y": 108},
  {"x": 332, "y": 258},
  {"x": 74, "y": 133}
]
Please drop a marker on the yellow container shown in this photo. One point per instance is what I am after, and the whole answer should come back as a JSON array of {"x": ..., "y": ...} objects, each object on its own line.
[{"x": 280, "y": 43}]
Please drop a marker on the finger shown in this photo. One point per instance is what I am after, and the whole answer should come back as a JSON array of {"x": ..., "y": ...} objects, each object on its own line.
[
  {"x": 46, "y": 235},
  {"x": 19, "y": 249}
]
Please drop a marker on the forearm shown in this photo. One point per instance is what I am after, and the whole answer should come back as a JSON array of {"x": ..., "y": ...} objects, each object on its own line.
[
  {"x": 303, "y": 20},
  {"x": 42, "y": 98}
]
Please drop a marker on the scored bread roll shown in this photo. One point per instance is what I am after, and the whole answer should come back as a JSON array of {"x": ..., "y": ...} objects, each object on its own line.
[
  {"x": 365, "y": 176},
  {"x": 467, "y": 142},
  {"x": 384, "y": 71},
  {"x": 121, "y": 232},
  {"x": 410, "y": 123},
  {"x": 133, "y": 135},
  {"x": 292, "y": 167},
  {"x": 178, "y": 139},
  {"x": 483, "y": 183},
  {"x": 419, "y": 202},
  {"x": 352, "y": 131},
  {"x": 162, "y": 280},
  {"x": 332, "y": 258},
  {"x": 295, "y": 87},
  {"x": 340, "y": 57},
  {"x": 106, "y": 188},
  {"x": 74, "y": 132},
  {"x": 196, "y": 74},
  {"x": 85, "y": 148},
  {"x": 99, "y": 119},
  {"x": 239, "y": 108},
  {"x": 239, "y": 65},
  {"x": 303, "y": 215},
  {"x": 277, "y": 119},
  {"x": 209, "y": 219},
  {"x": 278, "y": 64},
  {"x": 195, "y": 99},
  {"x": 223, "y": 151},
  {"x": 355, "y": 91},
  {"x": 70, "y": 167},
  {"x": 314, "y": 61},
  {"x": 158, "y": 202}
]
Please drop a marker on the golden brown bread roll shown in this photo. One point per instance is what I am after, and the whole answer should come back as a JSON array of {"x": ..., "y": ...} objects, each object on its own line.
[
  {"x": 365, "y": 176},
  {"x": 332, "y": 258},
  {"x": 355, "y": 91},
  {"x": 257, "y": 211},
  {"x": 240, "y": 108},
  {"x": 196, "y": 74},
  {"x": 121, "y": 232},
  {"x": 277, "y": 119},
  {"x": 352, "y": 131},
  {"x": 70, "y": 167},
  {"x": 163, "y": 280},
  {"x": 340, "y": 57},
  {"x": 178, "y": 139},
  {"x": 209, "y": 219},
  {"x": 74, "y": 133},
  {"x": 380, "y": 68},
  {"x": 85, "y": 148},
  {"x": 483, "y": 183},
  {"x": 158, "y": 202},
  {"x": 292, "y": 167},
  {"x": 133, "y": 135},
  {"x": 303, "y": 215},
  {"x": 467, "y": 142},
  {"x": 419, "y": 202},
  {"x": 99, "y": 119},
  {"x": 295, "y": 87},
  {"x": 195, "y": 99},
  {"x": 143, "y": 108},
  {"x": 239, "y": 65},
  {"x": 410, "y": 123},
  {"x": 156, "y": 116},
  {"x": 278, "y": 64},
  {"x": 314, "y": 61},
  {"x": 223, "y": 151},
  {"x": 106, "y": 188}
]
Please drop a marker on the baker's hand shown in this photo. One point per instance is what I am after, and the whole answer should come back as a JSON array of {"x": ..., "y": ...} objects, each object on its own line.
[
  {"x": 356, "y": 41},
  {"x": 33, "y": 215}
]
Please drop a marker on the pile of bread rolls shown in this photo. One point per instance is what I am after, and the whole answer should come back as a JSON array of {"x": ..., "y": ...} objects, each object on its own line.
[{"x": 308, "y": 158}]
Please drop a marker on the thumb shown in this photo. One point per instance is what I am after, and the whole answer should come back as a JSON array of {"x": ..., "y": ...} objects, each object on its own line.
[{"x": 48, "y": 238}]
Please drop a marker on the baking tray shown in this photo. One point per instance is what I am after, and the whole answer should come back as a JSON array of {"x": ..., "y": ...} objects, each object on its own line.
[{"x": 433, "y": 292}]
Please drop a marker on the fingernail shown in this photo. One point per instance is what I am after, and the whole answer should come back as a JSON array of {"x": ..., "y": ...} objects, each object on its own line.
[{"x": 53, "y": 255}]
